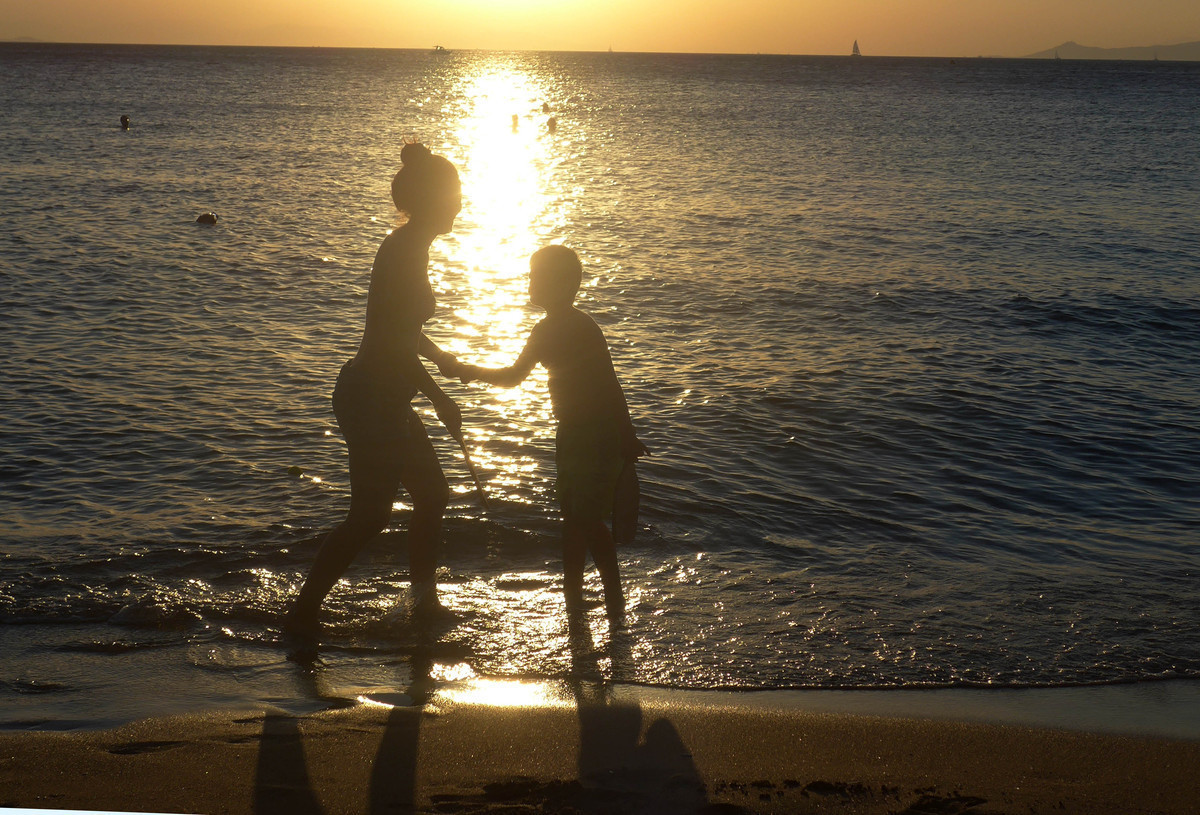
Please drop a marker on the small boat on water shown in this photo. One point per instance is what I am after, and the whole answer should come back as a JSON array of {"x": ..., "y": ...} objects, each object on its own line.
[
  {"x": 437, "y": 49},
  {"x": 854, "y": 52}
]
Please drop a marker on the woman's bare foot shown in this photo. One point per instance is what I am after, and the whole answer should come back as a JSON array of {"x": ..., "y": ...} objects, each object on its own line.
[
  {"x": 300, "y": 637},
  {"x": 426, "y": 606}
]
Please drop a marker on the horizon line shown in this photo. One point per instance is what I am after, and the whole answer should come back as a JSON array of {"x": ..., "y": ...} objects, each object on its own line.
[
  {"x": 34, "y": 41},
  {"x": 1052, "y": 49}
]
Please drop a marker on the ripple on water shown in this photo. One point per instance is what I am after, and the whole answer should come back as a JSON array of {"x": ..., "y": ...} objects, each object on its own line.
[{"x": 916, "y": 417}]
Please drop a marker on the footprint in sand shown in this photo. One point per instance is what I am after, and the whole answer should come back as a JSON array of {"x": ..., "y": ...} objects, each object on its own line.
[{"x": 134, "y": 748}]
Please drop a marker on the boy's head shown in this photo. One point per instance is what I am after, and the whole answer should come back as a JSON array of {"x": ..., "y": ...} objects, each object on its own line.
[{"x": 554, "y": 276}]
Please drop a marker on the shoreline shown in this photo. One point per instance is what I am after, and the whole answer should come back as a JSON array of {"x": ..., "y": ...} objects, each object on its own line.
[
  {"x": 1168, "y": 708},
  {"x": 599, "y": 750}
]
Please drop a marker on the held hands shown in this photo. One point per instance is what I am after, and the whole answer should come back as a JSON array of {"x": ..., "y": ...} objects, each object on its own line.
[
  {"x": 448, "y": 365},
  {"x": 467, "y": 373}
]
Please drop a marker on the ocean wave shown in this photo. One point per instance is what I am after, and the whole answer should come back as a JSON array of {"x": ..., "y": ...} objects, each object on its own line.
[{"x": 920, "y": 397}]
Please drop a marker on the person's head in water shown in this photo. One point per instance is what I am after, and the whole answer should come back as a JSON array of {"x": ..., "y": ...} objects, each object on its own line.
[
  {"x": 427, "y": 188},
  {"x": 555, "y": 274},
  {"x": 124, "y": 122}
]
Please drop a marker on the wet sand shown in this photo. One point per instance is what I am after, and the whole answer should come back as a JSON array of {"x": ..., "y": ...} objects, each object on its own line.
[{"x": 594, "y": 754}]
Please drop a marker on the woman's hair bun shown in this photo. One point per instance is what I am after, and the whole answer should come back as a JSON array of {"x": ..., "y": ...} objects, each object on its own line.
[
  {"x": 414, "y": 152},
  {"x": 424, "y": 180}
]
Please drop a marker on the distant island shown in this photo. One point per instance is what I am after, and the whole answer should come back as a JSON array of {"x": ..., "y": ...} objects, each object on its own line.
[{"x": 1183, "y": 52}]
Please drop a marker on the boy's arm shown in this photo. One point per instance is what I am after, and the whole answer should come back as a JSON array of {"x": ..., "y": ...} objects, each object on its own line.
[
  {"x": 508, "y": 377},
  {"x": 631, "y": 447}
]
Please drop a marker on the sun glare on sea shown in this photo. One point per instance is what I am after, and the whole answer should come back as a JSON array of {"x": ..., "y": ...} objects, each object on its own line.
[
  {"x": 512, "y": 205},
  {"x": 507, "y": 693}
]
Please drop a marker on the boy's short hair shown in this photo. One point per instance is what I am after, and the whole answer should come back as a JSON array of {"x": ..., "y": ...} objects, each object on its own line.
[{"x": 561, "y": 263}]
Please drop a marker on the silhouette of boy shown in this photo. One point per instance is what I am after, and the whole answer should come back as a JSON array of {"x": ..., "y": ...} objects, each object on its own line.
[{"x": 595, "y": 435}]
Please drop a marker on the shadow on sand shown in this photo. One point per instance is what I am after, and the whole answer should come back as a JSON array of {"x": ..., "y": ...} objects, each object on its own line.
[{"x": 621, "y": 769}]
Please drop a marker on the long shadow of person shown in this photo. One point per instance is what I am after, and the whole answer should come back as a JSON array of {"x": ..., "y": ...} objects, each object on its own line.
[
  {"x": 394, "y": 774},
  {"x": 619, "y": 766},
  {"x": 281, "y": 783},
  {"x": 650, "y": 773}
]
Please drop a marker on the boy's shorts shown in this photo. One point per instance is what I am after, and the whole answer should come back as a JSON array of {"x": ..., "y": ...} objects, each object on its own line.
[{"x": 588, "y": 459}]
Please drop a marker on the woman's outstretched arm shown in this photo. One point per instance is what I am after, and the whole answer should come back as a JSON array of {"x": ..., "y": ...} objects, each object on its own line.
[{"x": 445, "y": 361}]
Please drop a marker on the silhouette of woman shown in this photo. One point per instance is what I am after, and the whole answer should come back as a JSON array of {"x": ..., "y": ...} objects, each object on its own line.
[{"x": 386, "y": 441}]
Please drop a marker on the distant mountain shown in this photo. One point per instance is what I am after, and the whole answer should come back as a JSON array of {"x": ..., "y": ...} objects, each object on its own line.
[{"x": 1183, "y": 52}]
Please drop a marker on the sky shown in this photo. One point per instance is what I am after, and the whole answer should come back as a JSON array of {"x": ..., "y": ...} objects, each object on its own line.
[{"x": 882, "y": 27}]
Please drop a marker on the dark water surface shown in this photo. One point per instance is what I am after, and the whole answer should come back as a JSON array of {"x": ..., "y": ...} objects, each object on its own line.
[{"x": 914, "y": 344}]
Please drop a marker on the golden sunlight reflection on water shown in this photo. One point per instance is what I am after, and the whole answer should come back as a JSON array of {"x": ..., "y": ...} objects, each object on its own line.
[
  {"x": 524, "y": 610},
  {"x": 507, "y": 693},
  {"x": 464, "y": 688},
  {"x": 512, "y": 204}
]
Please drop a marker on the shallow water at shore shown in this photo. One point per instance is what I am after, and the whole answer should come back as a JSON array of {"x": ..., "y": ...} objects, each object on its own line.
[{"x": 89, "y": 696}]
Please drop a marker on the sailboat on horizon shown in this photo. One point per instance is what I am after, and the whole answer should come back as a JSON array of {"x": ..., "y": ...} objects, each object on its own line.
[{"x": 854, "y": 52}]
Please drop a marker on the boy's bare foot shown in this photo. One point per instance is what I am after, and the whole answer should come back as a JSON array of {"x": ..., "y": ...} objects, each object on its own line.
[
  {"x": 575, "y": 602},
  {"x": 432, "y": 611},
  {"x": 614, "y": 603},
  {"x": 301, "y": 650},
  {"x": 616, "y": 614}
]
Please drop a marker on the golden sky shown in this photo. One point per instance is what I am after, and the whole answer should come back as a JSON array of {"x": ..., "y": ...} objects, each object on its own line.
[{"x": 883, "y": 27}]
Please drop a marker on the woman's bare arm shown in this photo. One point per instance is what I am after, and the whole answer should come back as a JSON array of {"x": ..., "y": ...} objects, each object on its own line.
[
  {"x": 415, "y": 373},
  {"x": 445, "y": 361}
]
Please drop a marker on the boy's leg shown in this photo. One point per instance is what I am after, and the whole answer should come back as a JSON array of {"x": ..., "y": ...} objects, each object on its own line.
[
  {"x": 588, "y": 468},
  {"x": 575, "y": 546},
  {"x": 604, "y": 553},
  {"x": 580, "y": 537}
]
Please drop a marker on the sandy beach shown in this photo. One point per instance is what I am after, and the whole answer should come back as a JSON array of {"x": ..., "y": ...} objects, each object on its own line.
[{"x": 592, "y": 754}]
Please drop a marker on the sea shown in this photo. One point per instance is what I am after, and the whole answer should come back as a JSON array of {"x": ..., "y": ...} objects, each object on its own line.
[{"x": 914, "y": 345}]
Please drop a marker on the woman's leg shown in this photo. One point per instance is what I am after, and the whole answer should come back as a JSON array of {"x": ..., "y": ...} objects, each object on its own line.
[
  {"x": 365, "y": 520},
  {"x": 423, "y": 479},
  {"x": 374, "y": 481}
]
